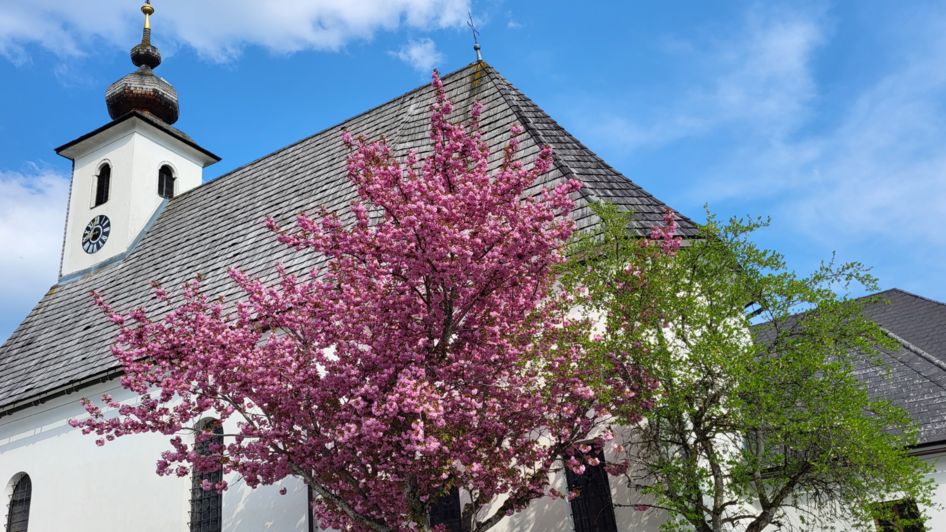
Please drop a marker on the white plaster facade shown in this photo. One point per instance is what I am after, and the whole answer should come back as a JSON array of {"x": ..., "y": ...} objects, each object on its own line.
[
  {"x": 135, "y": 150},
  {"x": 80, "y": 487}
]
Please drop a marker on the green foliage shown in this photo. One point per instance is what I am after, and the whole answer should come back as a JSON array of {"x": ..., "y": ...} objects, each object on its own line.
[{"x": 759, "y": 419}]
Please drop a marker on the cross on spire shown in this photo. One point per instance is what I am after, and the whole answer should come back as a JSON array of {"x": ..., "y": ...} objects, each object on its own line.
[{"x": 476, "y": 43}]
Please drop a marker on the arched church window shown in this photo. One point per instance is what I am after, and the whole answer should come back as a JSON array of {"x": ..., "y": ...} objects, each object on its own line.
[
  {"x": 102, "y": 182},
  {"x": 18, "y": 514},
  {"x": 445, "y": 510},
  {"x": 592, "y": 509},
  {"x": 207, "y": 506},
  {"x": 166, "y": 182}
]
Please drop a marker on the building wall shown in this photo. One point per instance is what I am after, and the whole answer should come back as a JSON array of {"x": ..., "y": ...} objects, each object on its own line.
[
  {"x": 135, "y": 151},
  {"x": 80, "y": 487},
  {"x": 937, "y": 522}
]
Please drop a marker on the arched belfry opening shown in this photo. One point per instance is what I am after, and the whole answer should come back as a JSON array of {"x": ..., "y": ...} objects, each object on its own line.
[
  {"x": 103, "y": 182},
  {"x": 166, "y": 182}
]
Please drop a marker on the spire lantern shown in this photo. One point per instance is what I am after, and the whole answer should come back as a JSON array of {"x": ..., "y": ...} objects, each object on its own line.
[{"x": 143, "y": 90}]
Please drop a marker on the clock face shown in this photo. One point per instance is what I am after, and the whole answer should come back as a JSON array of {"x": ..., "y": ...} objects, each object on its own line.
[{"x": 96, "y": 234}]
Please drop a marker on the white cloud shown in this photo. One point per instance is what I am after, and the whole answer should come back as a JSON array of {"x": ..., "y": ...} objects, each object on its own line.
[
  {"x": 875, "y": 170},
  {"x": 32, "y": 220},
  {"x": 765, "y": 75},
  {"x": 218, "y": 31},
  {"x": 757, "y": 79},
  {"x": 422, "y": 55},
  {"x": 857, "y": 166},
  {"x": 882, "y": 172}
]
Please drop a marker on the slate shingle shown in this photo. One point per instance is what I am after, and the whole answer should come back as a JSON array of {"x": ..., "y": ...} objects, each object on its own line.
[
  {"x": 913, "y": 376},
  {"x": 65, "y": 339}
]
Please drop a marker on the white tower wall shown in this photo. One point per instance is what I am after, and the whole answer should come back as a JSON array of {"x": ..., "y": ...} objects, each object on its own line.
[{"x": 135, "y": 150}]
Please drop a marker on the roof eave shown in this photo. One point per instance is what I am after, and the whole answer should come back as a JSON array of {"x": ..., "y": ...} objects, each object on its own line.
[{"x": 64, "y": 150}]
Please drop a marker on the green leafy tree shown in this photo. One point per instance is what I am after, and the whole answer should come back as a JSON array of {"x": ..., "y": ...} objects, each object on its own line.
[{"x": 759, "y": 420}]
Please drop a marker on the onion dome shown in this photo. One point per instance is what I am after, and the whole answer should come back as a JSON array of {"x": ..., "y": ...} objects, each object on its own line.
[{"x": 143, "y": 90}]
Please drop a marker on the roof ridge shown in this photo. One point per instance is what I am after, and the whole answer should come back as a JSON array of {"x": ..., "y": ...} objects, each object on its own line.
[
  {"x": 503, "y": 85},
  {"x": 533, "y": 131},
  {"x": 920, "y": 353},
  {"x": 902, "y": 291}
]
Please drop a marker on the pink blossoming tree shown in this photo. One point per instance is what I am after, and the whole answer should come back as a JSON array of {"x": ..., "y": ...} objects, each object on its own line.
[{"x": 428, "y": 352}]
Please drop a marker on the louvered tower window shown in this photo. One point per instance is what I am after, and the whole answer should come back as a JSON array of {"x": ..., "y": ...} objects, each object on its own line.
[
  {"x": 446, "y": 510},
  {"x": 102, "y": 182},
  {"x": 18, "y": 513},
  {"x": 166, "y": 182},
  {"x": 207, "y": 506},
  {"x": 592, "y": 509}
]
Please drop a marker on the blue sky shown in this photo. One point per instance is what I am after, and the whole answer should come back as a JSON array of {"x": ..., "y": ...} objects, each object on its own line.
[{"x": 828, "y": 116}]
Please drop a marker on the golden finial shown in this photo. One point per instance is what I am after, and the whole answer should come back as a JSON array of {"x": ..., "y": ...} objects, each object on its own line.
[
  {"x": 144, "y": 54},
  {"x": 148, "y": 11}
]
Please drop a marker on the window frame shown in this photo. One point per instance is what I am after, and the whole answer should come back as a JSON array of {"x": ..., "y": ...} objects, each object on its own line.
[
  {"x": 913, "y": 513},
  {"x": 580, "y": 512},
  {"x": 12, "y": 512},
  {"x": 447, "y": 510},
  {"x": 164, "y": 182},
  {"x": 203, "y": 502},
  {"x": 97, "y": 184}
]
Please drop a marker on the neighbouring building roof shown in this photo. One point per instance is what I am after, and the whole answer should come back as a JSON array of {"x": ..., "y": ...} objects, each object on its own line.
[
  {"x": 64, "y": 342},
  {"x": 913, "y": 376}
]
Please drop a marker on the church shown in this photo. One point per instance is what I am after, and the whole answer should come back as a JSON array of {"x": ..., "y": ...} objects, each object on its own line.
[{"x": 139, "y": 211}]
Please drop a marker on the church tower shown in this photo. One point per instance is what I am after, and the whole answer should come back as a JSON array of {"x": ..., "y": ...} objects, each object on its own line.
[{"x": 124, "y": 173}]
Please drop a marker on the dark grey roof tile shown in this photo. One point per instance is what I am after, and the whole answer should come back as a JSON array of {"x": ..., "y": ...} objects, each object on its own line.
[{"x": 65, "y": 339}]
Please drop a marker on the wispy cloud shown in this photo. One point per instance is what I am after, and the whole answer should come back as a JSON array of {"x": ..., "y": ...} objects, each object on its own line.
[
  {"x": 882, "y": 172},
  {"x": 31, "y": 224},
  {"x": 758, "y": 79},
  {"x": 421, "y": 55},
  {"x": 217, "y": 31},
  {"x": 862, "y": 172}
]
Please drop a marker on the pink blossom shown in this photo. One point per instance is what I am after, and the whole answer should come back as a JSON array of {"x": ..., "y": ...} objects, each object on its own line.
[{"x": 429, "y": 329}]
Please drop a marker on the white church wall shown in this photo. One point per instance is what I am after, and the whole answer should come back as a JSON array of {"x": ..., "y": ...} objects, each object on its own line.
[
  {"x": 251, "y": 510},
  {"x": 937, "y": 522},
  {"x": 80, "y": 487},
  {"x": 936, "y": 513}
]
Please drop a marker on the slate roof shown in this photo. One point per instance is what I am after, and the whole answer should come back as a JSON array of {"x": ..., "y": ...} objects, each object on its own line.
[
  {"x": 914, "y": 375},
  {"x": 917, "y": 370},
  {"x": 65, "y": 340}
]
